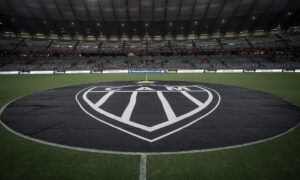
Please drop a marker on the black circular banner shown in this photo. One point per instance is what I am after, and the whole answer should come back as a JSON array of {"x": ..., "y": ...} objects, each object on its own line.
[{"x": 145, "y": 117}]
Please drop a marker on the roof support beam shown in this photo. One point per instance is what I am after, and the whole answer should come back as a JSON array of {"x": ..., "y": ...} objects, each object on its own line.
[
  {"x": 76, "y": 18},
  {"x": 35, "y": 18},
  {"x": 253, "y": 28},
  {"x": 204, "y": 17},
  {"x": 281, "y": 15},
  {"x": 177, "y": 19},
  {"x": 140, "y": 11},
  {"x": 48, "y": 16},
  {"x": 293, "y": 18},
  {"x": 127, "y": 11},
  {"x": 217, "y": 20},
  {"x": 189, "y": 24},
  {"x": 102, "y": 16},
  {"x": 141, "y": 25},
  {"x": 90, "y": 19},
  {"x": 152, "y": 19},
  {"x": 165, "y": 19},
  {"x": 6, "y": 24},
  {"x": 10, "y": 6},
  {"x": 246, "y": 17},
  {"x": 127, "y": 19},
  {"x": 224, "y": 31},
  {"x": 62, "y": 16},
  {"x": 115, "y": 19}
]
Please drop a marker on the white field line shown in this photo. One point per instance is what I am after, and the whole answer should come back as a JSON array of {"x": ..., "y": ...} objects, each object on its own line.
[{"x": 143, "y": 167}]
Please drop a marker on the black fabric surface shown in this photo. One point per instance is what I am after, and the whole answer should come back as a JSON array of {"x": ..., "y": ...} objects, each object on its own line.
[{"x": 242, "y": 116}]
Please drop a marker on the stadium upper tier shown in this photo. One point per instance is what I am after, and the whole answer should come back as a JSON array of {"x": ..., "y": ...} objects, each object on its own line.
[{"x": 222, "y": 44}]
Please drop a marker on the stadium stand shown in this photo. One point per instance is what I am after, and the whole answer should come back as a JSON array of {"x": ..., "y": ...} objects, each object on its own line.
[
  {"x": 235, "y": 43},
  {"x": 270, "y": 52},
  {"x": 34, "y": 45},
  {"x": 7, "y": 44},
  {"x": 88, "y": 46},
  {"x": 62, "y": 46},
  {"x": 155, "y": 62}
]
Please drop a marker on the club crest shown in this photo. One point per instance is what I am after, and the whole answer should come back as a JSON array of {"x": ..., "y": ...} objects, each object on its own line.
[{"x": 147, "y": 111}]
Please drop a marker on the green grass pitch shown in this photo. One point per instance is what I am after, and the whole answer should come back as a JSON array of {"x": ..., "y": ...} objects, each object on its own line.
[{"x": 274, "y": 159}]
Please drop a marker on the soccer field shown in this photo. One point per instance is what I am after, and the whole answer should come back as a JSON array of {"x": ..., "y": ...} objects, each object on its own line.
[{"x": 275, "y": 159}]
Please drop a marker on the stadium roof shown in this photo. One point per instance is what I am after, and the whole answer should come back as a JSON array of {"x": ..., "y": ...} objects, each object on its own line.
[{"x": 142, "y": 17}]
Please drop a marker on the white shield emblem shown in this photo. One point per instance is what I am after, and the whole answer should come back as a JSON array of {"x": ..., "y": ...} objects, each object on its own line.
[{"x": 148, "y": 112}]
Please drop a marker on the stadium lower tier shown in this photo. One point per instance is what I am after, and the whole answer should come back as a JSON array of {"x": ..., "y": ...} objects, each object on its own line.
[{"x": 149, "y": 62}]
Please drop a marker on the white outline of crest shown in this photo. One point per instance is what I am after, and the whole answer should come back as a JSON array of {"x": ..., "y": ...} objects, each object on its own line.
[{"x": 172, "y": 119}]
